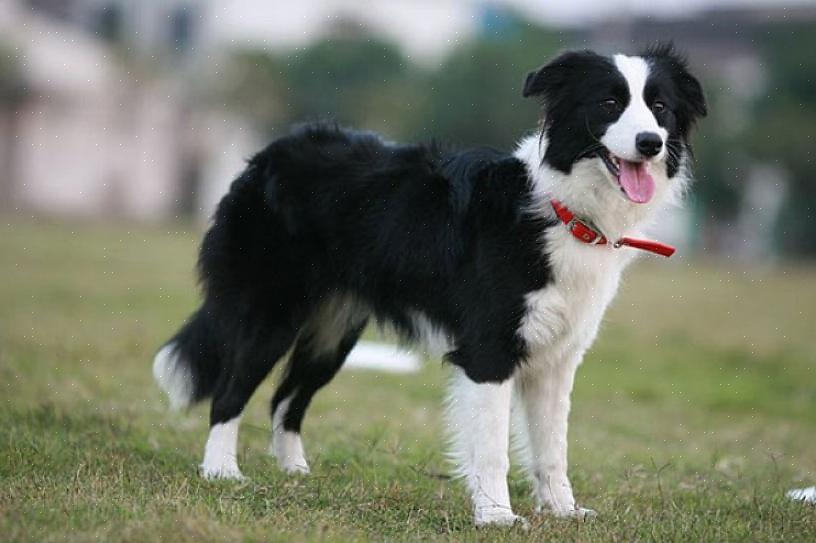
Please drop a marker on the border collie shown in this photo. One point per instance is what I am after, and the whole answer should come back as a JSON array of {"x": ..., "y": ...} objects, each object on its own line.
[{"x": 512, "y": 258}]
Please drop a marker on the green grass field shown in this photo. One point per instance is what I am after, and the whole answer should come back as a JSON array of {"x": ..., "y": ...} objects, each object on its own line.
[{"x": 693, "y": 414}]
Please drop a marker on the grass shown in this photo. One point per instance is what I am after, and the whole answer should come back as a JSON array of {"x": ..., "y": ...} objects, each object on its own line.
[{"x": 693, "y": 414}]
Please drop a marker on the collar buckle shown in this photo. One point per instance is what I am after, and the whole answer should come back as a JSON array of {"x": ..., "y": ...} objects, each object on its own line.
[{"x": 585, "y": 233}]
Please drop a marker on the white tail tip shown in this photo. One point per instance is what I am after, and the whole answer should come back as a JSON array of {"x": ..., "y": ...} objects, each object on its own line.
[{"x": 173, "y": 377}]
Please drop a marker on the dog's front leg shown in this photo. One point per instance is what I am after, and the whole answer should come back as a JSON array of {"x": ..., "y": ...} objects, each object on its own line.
[
  {"x": 479, "y": 417},
  {"x": 544, "y": 388}
]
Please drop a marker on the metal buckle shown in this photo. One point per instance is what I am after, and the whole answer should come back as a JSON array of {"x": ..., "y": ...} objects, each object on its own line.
[{"x": 586, "y": 232}]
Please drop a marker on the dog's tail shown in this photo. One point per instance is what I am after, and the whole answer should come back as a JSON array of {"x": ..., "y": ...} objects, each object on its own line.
[{"x": 188, "y": 365}]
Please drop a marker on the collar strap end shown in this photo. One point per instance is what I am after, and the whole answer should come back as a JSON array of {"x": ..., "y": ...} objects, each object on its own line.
[{"x": 655, "y": 247}]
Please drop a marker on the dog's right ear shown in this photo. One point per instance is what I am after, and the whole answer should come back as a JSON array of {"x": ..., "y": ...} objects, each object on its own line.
[
  {"x": 549, "y": 81},
  {"x": 535, "y": 83},
  {"x": 531, "y": 84}
]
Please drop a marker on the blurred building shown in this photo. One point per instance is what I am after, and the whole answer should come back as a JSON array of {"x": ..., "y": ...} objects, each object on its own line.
[{"x": 97, "y": 126}]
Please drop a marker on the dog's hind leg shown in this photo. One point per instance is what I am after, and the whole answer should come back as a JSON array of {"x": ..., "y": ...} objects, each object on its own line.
[
  {"x": 251, "y": 358},
  {"x": 325, "y": 342}
]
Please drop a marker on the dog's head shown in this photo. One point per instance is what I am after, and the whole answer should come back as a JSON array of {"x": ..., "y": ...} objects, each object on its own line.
[{"x": 628, "y": 116}]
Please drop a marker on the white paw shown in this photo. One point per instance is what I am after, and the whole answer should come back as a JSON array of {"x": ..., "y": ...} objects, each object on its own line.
[
  {"x": 287, "y": 449},
  {"x": 582, "y": 513},
  {"x": 228, "y": 472},
  {"x": 498, "y": 516},
  {"x": 293, "y": 468},
  {"x": 572, "y": 512}
]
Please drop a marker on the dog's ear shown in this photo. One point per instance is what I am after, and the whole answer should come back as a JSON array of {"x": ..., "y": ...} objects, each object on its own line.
[
  {"x": 534, "y": 84},
  {"x": 552, "y": 80},
  {"x": 693, "y": 94},
  {"x": 689, "y": 87}
]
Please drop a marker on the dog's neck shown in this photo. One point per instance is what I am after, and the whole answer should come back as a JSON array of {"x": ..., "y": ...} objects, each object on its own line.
[{"x": 590, "y": 195}]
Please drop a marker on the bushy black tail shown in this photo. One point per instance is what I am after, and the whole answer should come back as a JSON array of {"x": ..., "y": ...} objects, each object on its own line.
[{"x": 188, "y": 365}]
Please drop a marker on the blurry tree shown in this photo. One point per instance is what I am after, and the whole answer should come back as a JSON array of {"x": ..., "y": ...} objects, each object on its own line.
[
  {"x": 475, "y": 97},
  {"x": 254, "y": 84},
  {"x": 354, "y": 79},
  {"x": 777, "y": 127},
  {"x": 719, "y": 163},
  {"x": 785, "y": 129},
  {"x": 360, "y": 80},
  {"x": 12, "y": 93}
]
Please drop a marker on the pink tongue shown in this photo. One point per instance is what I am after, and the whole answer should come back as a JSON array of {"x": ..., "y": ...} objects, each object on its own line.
[{"x": 636, "y": 181}]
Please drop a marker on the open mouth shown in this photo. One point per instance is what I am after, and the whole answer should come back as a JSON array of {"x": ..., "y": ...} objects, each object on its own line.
[{"x": 632, "y": 178}]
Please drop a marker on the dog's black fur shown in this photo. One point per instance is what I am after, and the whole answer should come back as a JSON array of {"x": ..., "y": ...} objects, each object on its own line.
[{"x": 402, "y": 228}]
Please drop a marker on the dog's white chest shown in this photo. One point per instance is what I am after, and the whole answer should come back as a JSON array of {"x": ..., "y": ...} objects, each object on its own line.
[{"x": 564, "y": 317}]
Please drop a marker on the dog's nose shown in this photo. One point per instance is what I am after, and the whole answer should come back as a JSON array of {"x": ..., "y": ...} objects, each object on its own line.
[{"x": 648, "y": 143}]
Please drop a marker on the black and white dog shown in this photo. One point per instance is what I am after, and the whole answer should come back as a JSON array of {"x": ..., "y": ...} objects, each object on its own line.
[{"x": 512, "y": 258}]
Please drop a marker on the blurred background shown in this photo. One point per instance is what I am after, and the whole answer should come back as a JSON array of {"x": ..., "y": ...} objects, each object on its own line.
[
  {"x": 144, "y": 111},
  {"x": 123, "y": 122}
]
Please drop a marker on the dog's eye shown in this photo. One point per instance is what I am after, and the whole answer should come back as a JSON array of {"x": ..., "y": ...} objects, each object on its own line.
[
  {"x": 658, "y": 107},
  {"x": 610, "y": 105}
]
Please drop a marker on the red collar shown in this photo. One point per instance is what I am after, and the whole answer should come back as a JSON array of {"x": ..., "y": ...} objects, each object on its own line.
[{"x": 587, "y": 234}]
